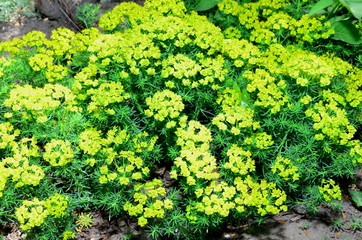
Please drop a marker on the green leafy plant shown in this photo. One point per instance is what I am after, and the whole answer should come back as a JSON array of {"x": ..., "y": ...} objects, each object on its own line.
[
  {"x": 243, "y": 117},
  {"x": 204, "y": 5},
  {"x": 87, "y": 14},
  {"x": 306, "y": 225},
  {"x": 356, "y": 224},
  {"x": 356, "y": 197},
  {"x": 337, "y": 225},
  {"x": 84, "y": 221},
  {"x": 11, "y": 10},
  {"x": 344, "y": 23}
]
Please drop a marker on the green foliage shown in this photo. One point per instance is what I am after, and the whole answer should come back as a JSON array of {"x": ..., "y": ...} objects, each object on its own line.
[
  {"x": 356, "y": 224},
  {"x": 204, "y": 5},
  {"x": 337, "y": 225},
  {"x": 11, "y": 10},
  {"x": 346, "y": 25},
  {"x": 243, "y": 113},
  {"x": 87, "y": 14},
  {"x": 356, "y": 197},
  {"x": 84, "y": 221}
]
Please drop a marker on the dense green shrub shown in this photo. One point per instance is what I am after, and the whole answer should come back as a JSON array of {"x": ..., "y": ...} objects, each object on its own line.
[{"x": 241, "y": 115}]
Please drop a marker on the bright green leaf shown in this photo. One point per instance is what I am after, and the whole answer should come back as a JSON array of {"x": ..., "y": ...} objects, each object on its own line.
[
  {"x": 346, "y": 31},
  {"x": 205, "y": 5},
  {"x": 320, "y": 5},
  {"x": 354, "y": 6},
  {"x": 356, "y": 197}
]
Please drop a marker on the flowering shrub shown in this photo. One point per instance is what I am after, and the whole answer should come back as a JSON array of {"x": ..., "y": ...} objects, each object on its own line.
[{"x": 243, "y": 123}]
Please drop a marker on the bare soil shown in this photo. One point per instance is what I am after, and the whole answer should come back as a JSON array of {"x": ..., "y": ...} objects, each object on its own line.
[{"x": 292, "y": 225}]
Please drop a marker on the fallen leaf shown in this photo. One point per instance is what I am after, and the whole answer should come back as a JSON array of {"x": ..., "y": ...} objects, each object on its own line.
[
  {"x": 306, "y": 233},
  {"x": 346, "y": 197}
]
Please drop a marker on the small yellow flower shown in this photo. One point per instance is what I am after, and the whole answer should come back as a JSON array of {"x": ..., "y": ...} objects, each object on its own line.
[{"x": 142, "y": 221}]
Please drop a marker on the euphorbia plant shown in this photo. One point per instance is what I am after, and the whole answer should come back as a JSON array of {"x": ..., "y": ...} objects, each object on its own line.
[{"x": 243, "y": 125}]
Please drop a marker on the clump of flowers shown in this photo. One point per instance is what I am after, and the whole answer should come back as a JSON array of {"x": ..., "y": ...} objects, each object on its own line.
[
  {"x": 330, "y": 190},
  {"x": 148, "y": 202},
  {"x": 178, "y": 120},
  {"x": 33, "y": 213},
  {"x": 285, "y": 168}
]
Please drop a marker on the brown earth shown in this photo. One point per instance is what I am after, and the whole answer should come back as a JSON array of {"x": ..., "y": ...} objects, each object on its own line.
[{"x": 291, "y": 225}]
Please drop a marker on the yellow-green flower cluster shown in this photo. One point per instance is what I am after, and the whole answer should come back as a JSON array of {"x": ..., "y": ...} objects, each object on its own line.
[
  {"x": 102, "y": 151},
  {"x": 266, "y": 20},
  {"x": 40, "y": 61},
  {"x": 104, "y": 95},
  {"x": 190, "y": 29},
  {"x": 354, "y": 95},
  {"x": 82, "y": 40},
  {"x": 163, "y": 105},
  {"x": 18, "y": 168},
  {"x": 13, "y": 47},
  {"x": 207, "y": 35},
  {"x": 83, "y": 79},
  {"x": 34, "y": 39},
  {"x": 181, "y": 67},
  {"x": 263, "y": 196},
  {"x": 26, "y": 147},
  {"x": 61, "y": 42},
  {"x": 106, "y": 175},
  {"x": 217, "y": 198},
  {"x": 166, "y": 7},
  {"x": 185, "y": 69},
  {"x": 90, "y": 141},
  {"x": 232, "y": 33},
  {"x": 262, "y": 140},
  {"x": 142, "y": 142},
  {"x": 272, "y": 58},
  {"x": 239, "y": 50},
  {"x": 306, "y": 99},
  {"x": 67, "y": 235},
  {"x": 56, "y": 205},
  {"x": 56, "y": 72},
  {"x": 330, "y": 190},
  {"x": 240, "y": 161},
  {"x": 7, "y": 135},
  {"x": 134, "y": 49},
  {"x": 195, "y": 161},
  {"x": 3, "y": 64},
  {"x": 59, "y": 45},
  {"x": 40, "y": 102},
  {"x": 117, "y": 16},
  {"x": 285, "y": 168},
  {"x": 331, "y": 119},
  {"x": 309, "y": 29},
  {"x": 58, "y": 152},
  {"x": 270, "y": 93},
  {"x": 132, "y": 169},
  {"x": 356, "y": 151},
  {"x": 24, "y": 173},
  {"x": 220, "y": 198},
  {"x": 33, "y": 213},
  {"x": 307, "y": 67},
  {"x": 148, "y": 202},
  {"x": 235, "y": 114}
]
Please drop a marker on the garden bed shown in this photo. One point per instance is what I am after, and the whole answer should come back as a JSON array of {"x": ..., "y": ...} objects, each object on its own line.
[{"x": 330, "y": 220}]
